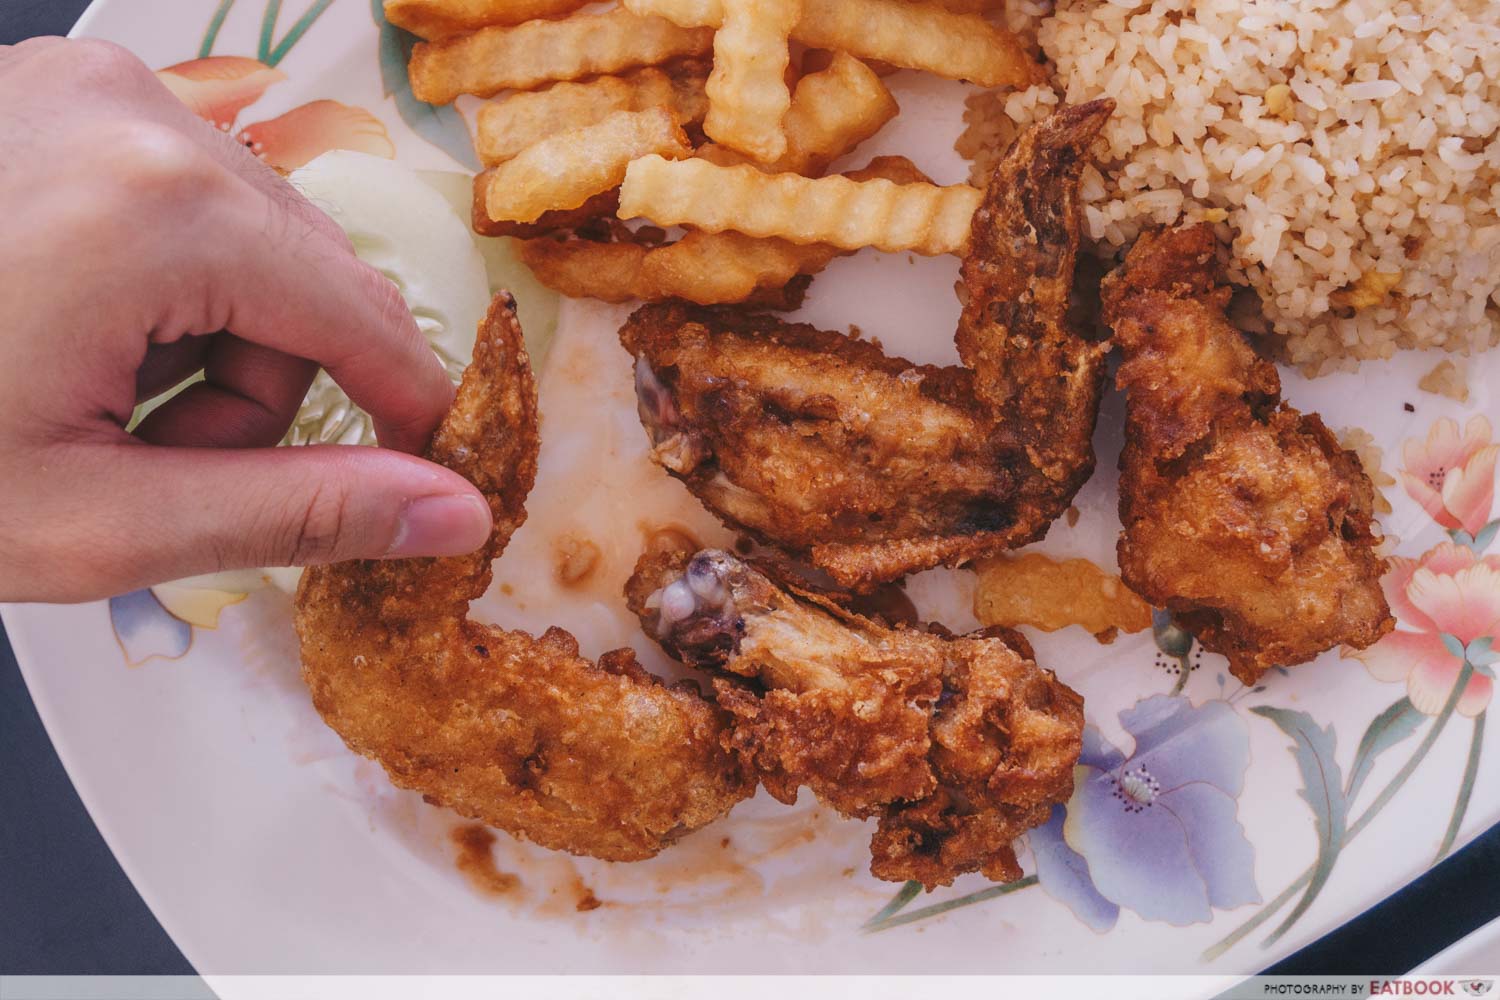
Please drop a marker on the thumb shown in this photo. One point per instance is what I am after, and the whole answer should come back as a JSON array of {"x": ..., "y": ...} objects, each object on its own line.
[{"x": 137, "y": 515}]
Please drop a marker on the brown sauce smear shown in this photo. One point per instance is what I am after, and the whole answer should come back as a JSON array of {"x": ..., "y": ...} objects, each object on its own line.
[
  {"x": 1034, "y": 589},
  {"x": 700, "y": 875},
  {"x": 474, "y": 859},
  {"x": 586, "y": 900}
]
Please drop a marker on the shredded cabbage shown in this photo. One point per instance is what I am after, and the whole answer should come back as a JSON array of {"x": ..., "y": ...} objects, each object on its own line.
[{"x": 405, "y": 230}]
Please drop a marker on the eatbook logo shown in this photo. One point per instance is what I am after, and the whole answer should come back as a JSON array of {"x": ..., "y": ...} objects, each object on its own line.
[{"x": 1477, "y": 987}]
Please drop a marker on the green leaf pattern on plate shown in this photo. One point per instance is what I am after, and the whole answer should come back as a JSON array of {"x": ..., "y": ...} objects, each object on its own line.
[{"x": 440, "y": 125}]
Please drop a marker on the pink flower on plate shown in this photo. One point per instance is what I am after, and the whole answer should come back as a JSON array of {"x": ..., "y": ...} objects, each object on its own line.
[
  {"x": 1448, "y": 591},
  {"x": 218, "y": 88},
  {"x": 307, "y": 132},
  {"x": 1453, "y": 477}
]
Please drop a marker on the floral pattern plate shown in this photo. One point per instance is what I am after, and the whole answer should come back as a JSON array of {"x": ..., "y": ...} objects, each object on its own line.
[{"x": 1214, "y": 827}]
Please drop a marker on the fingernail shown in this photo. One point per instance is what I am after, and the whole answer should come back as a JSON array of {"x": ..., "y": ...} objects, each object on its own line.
[{"x": 441, "y": 526}]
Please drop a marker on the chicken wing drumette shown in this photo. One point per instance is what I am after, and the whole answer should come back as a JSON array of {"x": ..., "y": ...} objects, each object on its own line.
[
  {"x": 958, "y": 744},
  {"x": 872, "y": 467},
  {"x": 1243, "y": 516}
]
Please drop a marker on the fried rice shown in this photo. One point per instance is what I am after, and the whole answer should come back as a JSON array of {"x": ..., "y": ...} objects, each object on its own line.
[{"x": 1346, "y": 149}]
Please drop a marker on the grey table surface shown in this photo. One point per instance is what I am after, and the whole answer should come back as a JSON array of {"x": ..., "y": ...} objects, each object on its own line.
[{"x": 66, "y": 908}]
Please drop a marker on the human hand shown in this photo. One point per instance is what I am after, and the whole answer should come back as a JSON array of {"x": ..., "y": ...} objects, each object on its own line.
[{"x": 142, "y": 245}]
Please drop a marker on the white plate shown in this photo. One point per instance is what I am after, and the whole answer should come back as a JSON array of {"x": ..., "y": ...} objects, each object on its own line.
[{"x": 264, "y": 846}]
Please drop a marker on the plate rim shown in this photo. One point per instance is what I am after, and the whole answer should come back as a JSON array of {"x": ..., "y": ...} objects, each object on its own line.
[{"x": 21, "y": 643}]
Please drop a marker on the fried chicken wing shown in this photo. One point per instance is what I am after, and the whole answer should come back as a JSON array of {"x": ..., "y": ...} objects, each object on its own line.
[
  {"x": 1242, "y": 516},
  {"x": 872, "y": 467},
  {"x": 519, "y": 732},
  {"x": 957, "y": 744}
]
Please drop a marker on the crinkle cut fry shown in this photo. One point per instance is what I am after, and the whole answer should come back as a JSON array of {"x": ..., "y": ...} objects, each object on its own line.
[
  {"x": 970, "y": 6},
  {"x": 509, "y": 125},
  {"x": 528, "y": 55},
  {"x": 600, "y": 206},
  {"x": 518, "y": 732},
  {"x": 958, "y": 744},
  {"x": 747, "y": 92},
  {"x": 848, "y": 214},
  {"x": 563, "y": 171},
  {"x": 700, "y": 267},
  {"x": 437, "y": 19},
  {"x": 959, "y": 46},
  {"x": 833, "y": 110}
]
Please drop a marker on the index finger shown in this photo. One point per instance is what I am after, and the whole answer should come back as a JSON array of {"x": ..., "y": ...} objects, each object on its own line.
[{"x": 283, "y": 281}]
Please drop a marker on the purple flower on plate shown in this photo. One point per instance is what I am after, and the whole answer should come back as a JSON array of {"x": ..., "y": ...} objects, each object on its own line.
[
  {"x": 146, "y": 630},
  {"x": 1156, "y": 832}
]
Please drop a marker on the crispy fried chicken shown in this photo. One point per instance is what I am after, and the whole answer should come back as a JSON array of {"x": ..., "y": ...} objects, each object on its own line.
[
  {"x": 872, "y": 467},
  {"x": 958, "y": 744},
  {"x": 521, "y": 733},
  {"x": 1243, "y": 516}
]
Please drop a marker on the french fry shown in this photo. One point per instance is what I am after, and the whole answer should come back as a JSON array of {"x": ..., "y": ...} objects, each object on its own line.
[
  {"x": 566, "y": 170},
  {"x": 705, "y": 268},
  {"x": 701, "y": 267},
  {"x": 833, "y": 110},
  {"x": 817, "y": 59},
  {"x": 626, "y": 272},
  {"x": 849, "y": 214},
  {"x": 523, "y": 119},
  {"x": 747, "y": 91},
  {"x": 602, "y": 205},
  {"x": 528, "y": 55},
  {"x": 900, "y": 32},
  {"x": 920, "y": 36},
  {"x": 687, "y": 13},
  {"x": 1033, "y": 589},
  {"x": 585, "y": 269},
  {"x": 969, "y": 6},
  {"x": 434, "y": 19}
]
